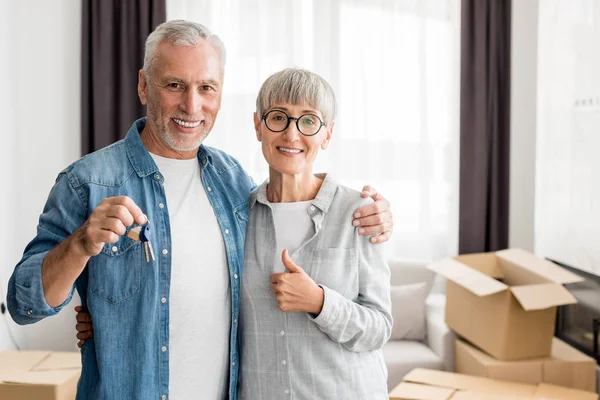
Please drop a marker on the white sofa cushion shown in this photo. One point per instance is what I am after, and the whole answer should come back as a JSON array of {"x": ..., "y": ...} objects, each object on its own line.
[
  {"x": 402, "y": 356},
  {"x": 408, "y": 311}
]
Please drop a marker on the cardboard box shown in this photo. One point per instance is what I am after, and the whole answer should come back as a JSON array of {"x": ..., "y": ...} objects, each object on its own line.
[
  {"x": 565, "y": 367},
  {"x": 505, "y": 302},
  {"x": 39, "y": 375},
  {"x": 424, "y": 384}
]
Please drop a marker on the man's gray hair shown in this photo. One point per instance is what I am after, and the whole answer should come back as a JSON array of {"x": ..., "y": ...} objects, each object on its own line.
[
  {"x": 181, "y": 33},
  {"x": 297, "y": 86}
]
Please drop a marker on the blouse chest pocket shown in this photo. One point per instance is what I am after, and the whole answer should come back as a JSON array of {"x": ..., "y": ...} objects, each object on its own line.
[
  {"x": 335, "y": 268},
  {"x": 115, "y": 273}
]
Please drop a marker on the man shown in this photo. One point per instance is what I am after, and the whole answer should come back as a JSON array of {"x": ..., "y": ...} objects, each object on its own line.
[{"x": 161, "y": 322}]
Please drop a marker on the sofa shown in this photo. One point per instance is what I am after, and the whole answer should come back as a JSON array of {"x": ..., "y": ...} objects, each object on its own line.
[{"x": 416, "y": 292}]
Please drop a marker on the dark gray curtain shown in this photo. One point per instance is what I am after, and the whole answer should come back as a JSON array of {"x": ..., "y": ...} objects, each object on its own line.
[
  {"x": 484, "y": 125},
  {"x": 114, "y": 33}
]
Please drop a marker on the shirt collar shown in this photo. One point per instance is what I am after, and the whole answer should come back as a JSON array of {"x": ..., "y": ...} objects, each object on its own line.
[
  {"x": 138, "y": 155},
  {"x": 322, "y": 201}
]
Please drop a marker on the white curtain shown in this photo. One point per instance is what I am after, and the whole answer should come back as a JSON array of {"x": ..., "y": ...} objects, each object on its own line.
[{"x": 394, "y": 65}]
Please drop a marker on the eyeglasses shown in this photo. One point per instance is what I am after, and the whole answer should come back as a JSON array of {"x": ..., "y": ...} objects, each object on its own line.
[{"x": 307, "y": 124}]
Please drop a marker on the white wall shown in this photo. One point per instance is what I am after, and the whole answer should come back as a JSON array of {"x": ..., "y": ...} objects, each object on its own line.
[
  {"x": 567, "y": 208},
  {"x": 523, "y": 123},
  {"x": 40, "y": 45}
]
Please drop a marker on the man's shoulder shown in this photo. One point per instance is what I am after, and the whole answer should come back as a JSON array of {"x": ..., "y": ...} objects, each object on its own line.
[
  {"x": 108, "y": 166},
  {"x": 221, "y": 160}
]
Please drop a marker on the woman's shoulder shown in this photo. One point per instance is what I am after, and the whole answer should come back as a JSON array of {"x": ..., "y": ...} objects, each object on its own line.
[{"x": 346, "y": 197}]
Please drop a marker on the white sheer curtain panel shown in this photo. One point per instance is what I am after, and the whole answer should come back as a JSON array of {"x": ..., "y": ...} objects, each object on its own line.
[{"x": 394, "y": 65}]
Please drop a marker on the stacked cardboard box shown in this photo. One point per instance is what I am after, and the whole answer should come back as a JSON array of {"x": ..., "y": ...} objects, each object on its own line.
[
  {"x": 39, "y": 375},
  {"x": 504, "y": 305},
  {"x": 565, "y": 367}
]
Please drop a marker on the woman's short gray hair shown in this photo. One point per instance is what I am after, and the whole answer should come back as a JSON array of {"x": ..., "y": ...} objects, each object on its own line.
[
  {"x": 181, "y": 33},
  {"x": 297, "y": 86}
]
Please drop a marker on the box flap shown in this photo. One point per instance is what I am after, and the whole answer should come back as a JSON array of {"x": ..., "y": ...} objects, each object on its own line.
[
  {"x": 486, "y": 263},
  {"x": 59, "y": 361},
  {"x": 472, "y": 280},
  {"x": 470, "y": 395},
  {"x": 15, "y": 361},
  {"x": 39, "y": 367},
  {"x": 539, "y": 266},
  {"x": 542, "y": 296},
  {"x": 39, "y": 378},
  {"x": 414, "y": 391},
  {"x": 471, "y": 383},
  {"x": 547, "y": 391}
]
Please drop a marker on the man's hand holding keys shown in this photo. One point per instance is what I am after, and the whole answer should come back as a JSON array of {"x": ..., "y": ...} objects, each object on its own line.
[{"x": 107, "y": 222}]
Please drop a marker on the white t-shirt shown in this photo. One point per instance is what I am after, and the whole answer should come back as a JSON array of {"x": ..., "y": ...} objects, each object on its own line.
[
  {"x": 293, "y": 225},
  {"x": 200, "y": 301}
]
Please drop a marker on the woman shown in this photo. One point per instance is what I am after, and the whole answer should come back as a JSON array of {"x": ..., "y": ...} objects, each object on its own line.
[
  {"x": 315, "y": 306},
  {"x": 315, "y": 302}
]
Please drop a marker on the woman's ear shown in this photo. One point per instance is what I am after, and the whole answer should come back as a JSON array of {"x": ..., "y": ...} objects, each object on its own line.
[
  {"x": 328, "y": 137},
  {"x": 257, "y": 127}
]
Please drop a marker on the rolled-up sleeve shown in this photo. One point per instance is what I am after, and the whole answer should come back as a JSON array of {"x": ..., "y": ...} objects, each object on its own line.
[
  {"x": 62, "y": 215},
  {"x": 364, "y": 324}
]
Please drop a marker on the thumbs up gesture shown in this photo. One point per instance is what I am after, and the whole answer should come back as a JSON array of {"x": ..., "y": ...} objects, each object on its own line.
[{"x": 295, "y": 290}]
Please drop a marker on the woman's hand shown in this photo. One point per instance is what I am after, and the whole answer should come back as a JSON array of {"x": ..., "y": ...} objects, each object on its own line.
[
  {"x": 85, "y": 329},
  {"x": 376, "y": 218},
  {"x": 295, "y": 290}
]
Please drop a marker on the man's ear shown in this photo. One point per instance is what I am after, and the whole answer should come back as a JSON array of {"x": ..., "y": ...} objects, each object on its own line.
[
  {"x": 142, "y": 87},
  {"x": 257, "y": 127},
  {"x": 328, "y": 138}
]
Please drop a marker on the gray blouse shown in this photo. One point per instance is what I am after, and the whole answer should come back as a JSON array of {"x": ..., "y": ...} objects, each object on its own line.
[{"x": 337, "y": 354}]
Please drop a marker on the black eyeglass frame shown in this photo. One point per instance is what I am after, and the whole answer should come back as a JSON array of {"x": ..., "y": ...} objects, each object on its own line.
[{"x": 264, "y": 118}]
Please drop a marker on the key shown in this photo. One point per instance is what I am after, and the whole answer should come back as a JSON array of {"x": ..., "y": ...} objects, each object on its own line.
[
  {"x": 134, "y": 233},
  {"x": 145, "y": 235}
]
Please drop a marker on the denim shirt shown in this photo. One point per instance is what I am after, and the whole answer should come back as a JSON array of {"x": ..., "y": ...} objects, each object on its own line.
[{"x": 128, "y": 298}]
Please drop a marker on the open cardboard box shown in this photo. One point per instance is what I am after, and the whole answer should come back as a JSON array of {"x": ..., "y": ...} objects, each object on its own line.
[
  {"x": 39, "y": 375},
  {"x": 505, "y": 302},
  {"x": 424, "y": 384},
  {"x": 565, "y": 367}
]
